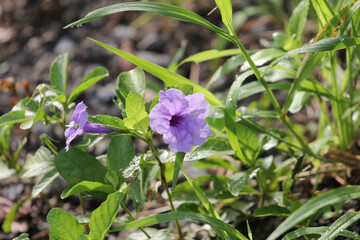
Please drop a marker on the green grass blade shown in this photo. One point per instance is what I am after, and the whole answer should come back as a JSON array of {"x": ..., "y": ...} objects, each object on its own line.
[
  {"x": 230, "y": 116},
  {"x": 178, "y": 165},
  {"x": 339, "y": 225},
  {"x": 209, "y": 55},
  {"x": 317, "y": 230},
  {"x": 225, "y": 8},
  {"x": 332, "y": 197},
  {"x": 164, "y": 74},
  {"x": 159, "y": 8},
  {"x": 205, "y": 201},
  {"x": 90, "y": 79},
  {"x": 173, "y": 216}
]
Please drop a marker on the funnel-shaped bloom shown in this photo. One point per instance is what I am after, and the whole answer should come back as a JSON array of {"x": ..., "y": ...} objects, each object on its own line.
[
  {"x": 181, "y": 119},
  {"x": 80, "y": 117}
]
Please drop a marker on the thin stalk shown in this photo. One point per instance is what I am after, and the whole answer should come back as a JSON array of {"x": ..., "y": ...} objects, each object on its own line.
[
  {"x": 81, "y": 199},
  {"x": 349, "y": 53},
  {"x": 164, "y": 182},
  {"x": 133, "y": 219},
  {"x": 283, "y": 117},
  {"x": 337, "y": 104}
]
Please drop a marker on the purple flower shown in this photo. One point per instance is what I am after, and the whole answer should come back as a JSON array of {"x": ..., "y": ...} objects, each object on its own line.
[
  {"x": 180, "y": 119},
  {"x": 80, "y": 117}
]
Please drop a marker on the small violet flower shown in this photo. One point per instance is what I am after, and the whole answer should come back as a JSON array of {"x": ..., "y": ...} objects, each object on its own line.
[
  {"x": 180, "y": 119},
  {"x": 80, "y": 117}
]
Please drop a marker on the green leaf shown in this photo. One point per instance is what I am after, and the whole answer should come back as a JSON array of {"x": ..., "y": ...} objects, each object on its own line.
[
  {"x": 83, "y": 236},
  {"x": 76, "y": 166},
  {"x": 87, "y": 187},
  {"x": 13, "y": 117},
  {"x": 10, "y": 217},
  {"x": 237, "y": 182},
  {"x": 230, "y": 111},
  {"x": 328, "y": 44},
  {"x": 155, "y": 234},
  {"x": 63, "y": 226},
  {"x": 5, "y": 171},
  {"x": 329, "y": 198},
  {"x": 159, "y": 8},
  {"x": 272, "y": 210},
  {"x": 164, "y": 74},
  {"x": 323, "y": 10},
  {"x": 263, "y": 56},
  {"x": 45, "y": 181},
  {"x": 225, "y": 8},
  {"x": 103, "y": 217},
  {"x": 23, "y": 236},
  {"x": 297, "y": 20},
  {"x": 110, "y": 121},
  {"x": 317, "y": 231},
  {"x": 167, "y": 217},
  {"x": 178, "y": 165},
  {"x": 209, "y": 55},
  {"x": 142, "y": 184},
  {"x": 340, "y": 224},
  {"x": 300, "y": 99},
  {"x": 58, "y": 73},
  {"x": 91, "y": 78},
  {"x": 137, "y": 118},
  {"x": 41, "y": 162},
  {"x": 229, "y": 66},
  {"x": 212, "y": 147},
  {"x": 120, "y": 153},
  {"x": 133, "y": 80}
]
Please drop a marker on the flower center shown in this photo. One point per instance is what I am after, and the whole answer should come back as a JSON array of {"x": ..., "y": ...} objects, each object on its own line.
[{"x": 175, "y": 120}]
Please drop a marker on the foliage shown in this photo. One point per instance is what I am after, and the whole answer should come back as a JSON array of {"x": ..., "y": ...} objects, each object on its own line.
[{"x": 266, "y": 153}]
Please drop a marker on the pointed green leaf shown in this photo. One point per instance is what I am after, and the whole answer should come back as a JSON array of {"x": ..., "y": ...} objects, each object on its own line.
[
  {"x": 133, "y": 80},
  {"x": 297, "y": 20},
  {"x": 167, "y": 217},
  {"x": 339, "y": 225},
  {"x": 103, "y": 217},
  {"x": 45, "y": 181},
  {"x": 13, "y": 117},
  {"x": 178, "y": 165},
  {"x": 10, "y": 216},
  {"x": 226, "y": 14},
  {"x": 164, "y": 74},
  {"x": 137, "y": 118},
  {"x": 87, "y": 187},
  {"x": 58, "y": 73},
  {"x": 41, "y": 162},
  {"x": 120, "y": 153},
  {"x": 331, "y": 197},
  {"x": 91, "y": 78},
  {"x": 159, "y": 8},
  {"x": 272, "y": 210}
]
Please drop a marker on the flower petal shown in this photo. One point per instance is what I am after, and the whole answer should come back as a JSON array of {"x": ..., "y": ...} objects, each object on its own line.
[
  {"x": 80, "y": 116},
  {"x": 95, "y": 128},
  {"x": 198, "y": 106},
  {"x": 178, "y": 140},
  {"x": 173, "y": 100},
  {"x": 198, "y": 129},
  {"x": 72, "y": 136},
  {"x": 160, "y": 119}
]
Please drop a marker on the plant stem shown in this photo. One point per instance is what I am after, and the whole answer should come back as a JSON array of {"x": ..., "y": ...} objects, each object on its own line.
[
  {"x": 81, "y": 199},
  {"x": 133, "y": 219},
  {"x": 283, "y": 117},
  {"x": 163, "y": 181}
]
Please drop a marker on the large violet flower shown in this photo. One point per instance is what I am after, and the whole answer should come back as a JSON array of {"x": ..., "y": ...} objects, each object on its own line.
[
  {"x": 80, "y": 117},
  {"x": 180, "y": 119}
]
